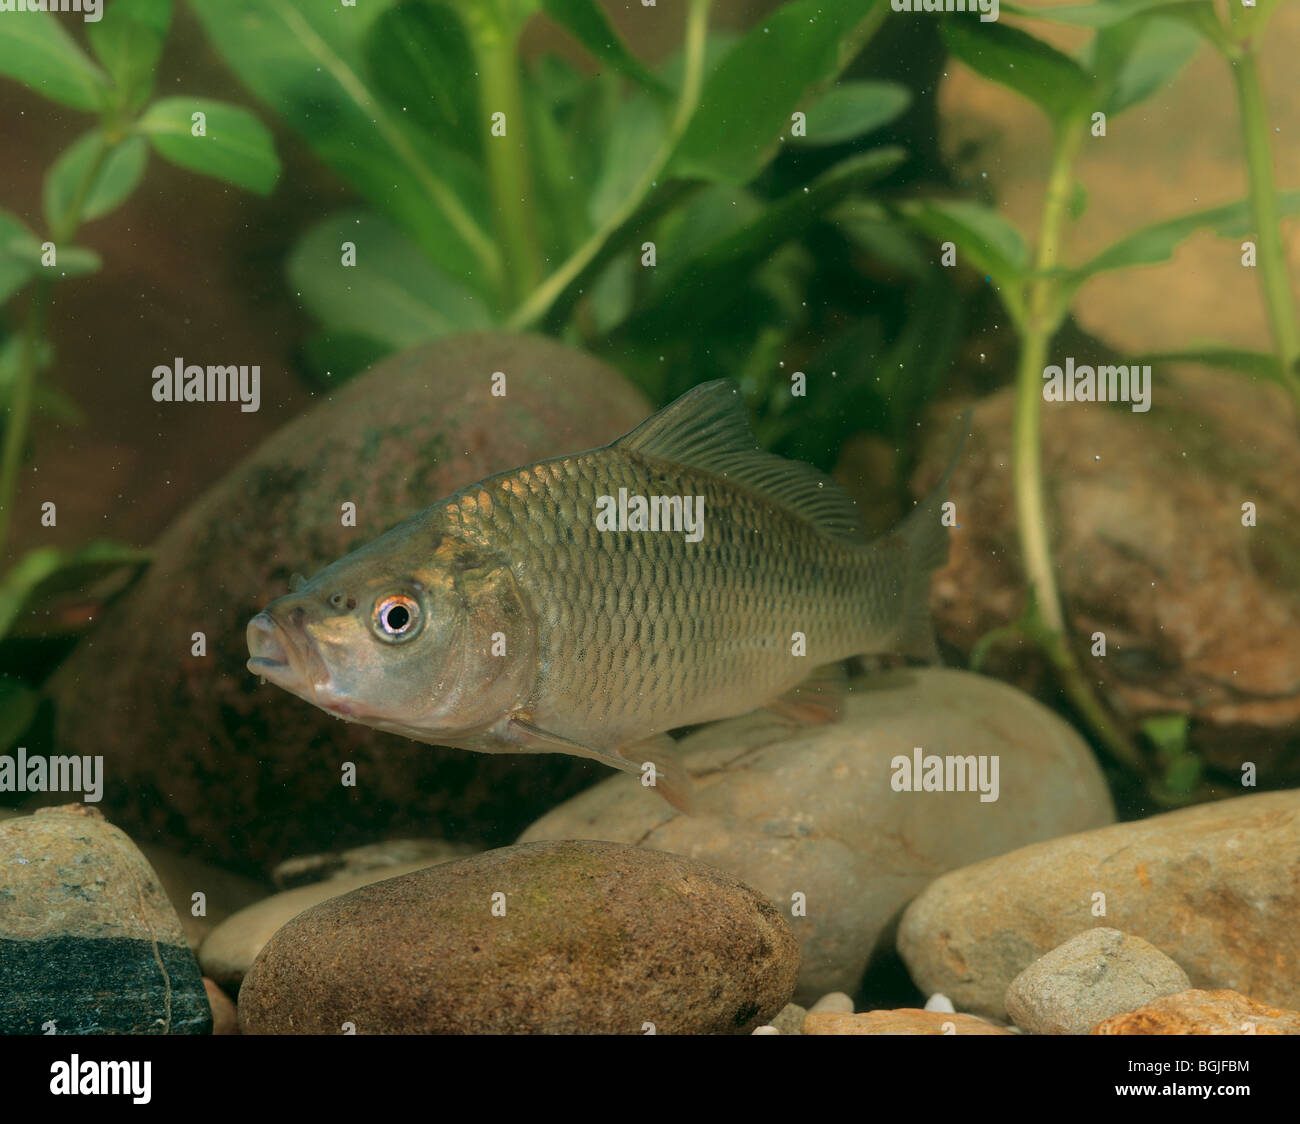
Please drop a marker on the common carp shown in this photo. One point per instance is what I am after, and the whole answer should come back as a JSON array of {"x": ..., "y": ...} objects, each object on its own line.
[{"x": 591, "y": 603}]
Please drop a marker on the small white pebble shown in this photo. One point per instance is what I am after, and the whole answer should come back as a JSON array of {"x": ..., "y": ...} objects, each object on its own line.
[
  {"x": 939, "y": 1002},
  {"x": 766, "y": 1030},
  {"x": 836, "y": 1002}
]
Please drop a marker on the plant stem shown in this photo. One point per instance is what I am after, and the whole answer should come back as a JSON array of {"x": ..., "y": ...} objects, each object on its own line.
[
  {"x": 1045, "y": 310},
  {"x": 495, "y": 42},
  {"x": 539, "y": 301},
  {"x": 1043, "y": 317},
  {"x": 20, "y": 404},
  {"x": 1273, "y": 276}
]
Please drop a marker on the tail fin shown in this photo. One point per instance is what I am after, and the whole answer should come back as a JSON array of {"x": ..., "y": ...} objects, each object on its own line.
[{"x": 926, "y": 540}]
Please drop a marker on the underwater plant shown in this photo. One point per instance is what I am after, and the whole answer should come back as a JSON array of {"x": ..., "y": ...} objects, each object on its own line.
[
  {"x": 1138, "y": 47},
  {"x": 636, "y": 211},
  {"x": 89, "y": 181}
]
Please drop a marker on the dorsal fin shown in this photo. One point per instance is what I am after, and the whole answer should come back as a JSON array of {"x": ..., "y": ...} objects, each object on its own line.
[{"x": 707, "y": 429}]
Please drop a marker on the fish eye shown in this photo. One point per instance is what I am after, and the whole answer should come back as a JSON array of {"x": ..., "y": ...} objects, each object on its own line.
[{"x": 396, "y": 617}]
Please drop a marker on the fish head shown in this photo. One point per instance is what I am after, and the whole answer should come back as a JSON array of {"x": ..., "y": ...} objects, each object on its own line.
[{"x": 414, "y": 648}]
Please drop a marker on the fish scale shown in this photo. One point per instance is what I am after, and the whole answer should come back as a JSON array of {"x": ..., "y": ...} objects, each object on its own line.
[{"x": 642, "y": 631}]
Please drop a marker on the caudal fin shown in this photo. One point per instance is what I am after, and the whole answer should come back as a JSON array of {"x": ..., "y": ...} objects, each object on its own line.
[{"x": 926, "y": 539}]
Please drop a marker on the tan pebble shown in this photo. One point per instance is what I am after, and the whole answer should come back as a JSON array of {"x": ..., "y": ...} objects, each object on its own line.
[
  {"x": 905, "y": 1020},
  {"x": 1203, "y": 1012},
  {"x": 835, "y": 1002},
  {"x": 225, "y": 1019}
]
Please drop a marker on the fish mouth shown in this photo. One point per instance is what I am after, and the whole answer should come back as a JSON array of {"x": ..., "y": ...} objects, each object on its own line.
[
  {"x": 292, "y": 662},
  {"x": 275, "y": 657}
]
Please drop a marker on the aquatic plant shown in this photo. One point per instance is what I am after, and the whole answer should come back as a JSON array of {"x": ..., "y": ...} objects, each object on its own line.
[
  {"x": 634, "y": 210},
  {"x": 1138, "y": 47},
  {"x": 113, "y": 82}
]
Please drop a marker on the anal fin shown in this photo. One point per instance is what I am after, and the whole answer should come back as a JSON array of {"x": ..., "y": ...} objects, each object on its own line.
[{"x": 817, "y": 700}]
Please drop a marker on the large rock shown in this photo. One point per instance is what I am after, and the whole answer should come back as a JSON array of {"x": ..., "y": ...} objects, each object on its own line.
[
  {"x": 1215, "y": 887},
  {"x": 89, "y": 943},
  {"x": 230, "y": 948},
  {"x": 1099, "y": 973},
  {"x": 1203, "y": 1012},
  {"x": 810, "y": 811},
  {"x": 196, "y": 748},
  {"x": 1199, "y": 612},
  {"x": 547, "y": 938}
]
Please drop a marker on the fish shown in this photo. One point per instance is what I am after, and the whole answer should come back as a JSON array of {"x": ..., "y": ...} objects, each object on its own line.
[{"x": 592, "y": 603}]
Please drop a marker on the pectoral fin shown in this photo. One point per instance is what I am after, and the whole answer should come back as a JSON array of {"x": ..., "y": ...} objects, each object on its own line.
[
  {"x": 669, "y": 777},
  {"x": 819, "y": 699}
]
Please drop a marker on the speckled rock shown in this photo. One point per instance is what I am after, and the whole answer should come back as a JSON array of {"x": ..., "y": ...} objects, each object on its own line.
[
  {"x": 568, "y": 937},
  {"x": 225, "y": 1019},
  {"x": 810, "y": 811},
  {"x": 302, "y": 870},
  {"x": 1091, "y": 977},
  {"x": 1203, "y": 1012},
  {"x": 200, "y": 751},
  {"x": 903, "y": 1020},
  {"x": 1200, "y": 613},
  {"x": 1207, "y": 885},
  {"x": 89, "y": 943},
  {"x": 229, "y": 949}
]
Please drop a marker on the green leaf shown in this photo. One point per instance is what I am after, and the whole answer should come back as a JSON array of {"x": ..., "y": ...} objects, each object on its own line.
[
  {"x": 871, "y": 229},
  {"x": 420, "y": 59},
  {"x": 234, "y": 145},
  {"x": 47, "y": 571},
  {"x": 128, "y": 40},
  {"x": 1051, "y": 80},
  {"x": 393, "y": 294},
  {"x": 305, "y": 60},
  {"x": 585, "y": 20},
  {"x": 984, "y": 239},
  {"x": 852, "y": 109},
  {"x": 117, "y": 177},
  {"x": 1156, "y": 243},
  {"x": 38, "y": 52},
  {"x": 772, "y": 71},
  {"x": 15, "y": 270},
  {"x": 1100, "y": 13},
  {"x": 18, "y": 706},
  {"x": 69, "y": 261},
  {"x": 704, "y": 287},
  {"x": 630, "y": 144},
  {"x": 1139, "y": 57},
  {"x": 1259, "y": 365}
]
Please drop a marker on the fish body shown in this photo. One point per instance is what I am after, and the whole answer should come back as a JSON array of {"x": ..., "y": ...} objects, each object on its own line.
[{"x": 539, "y": 610}]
